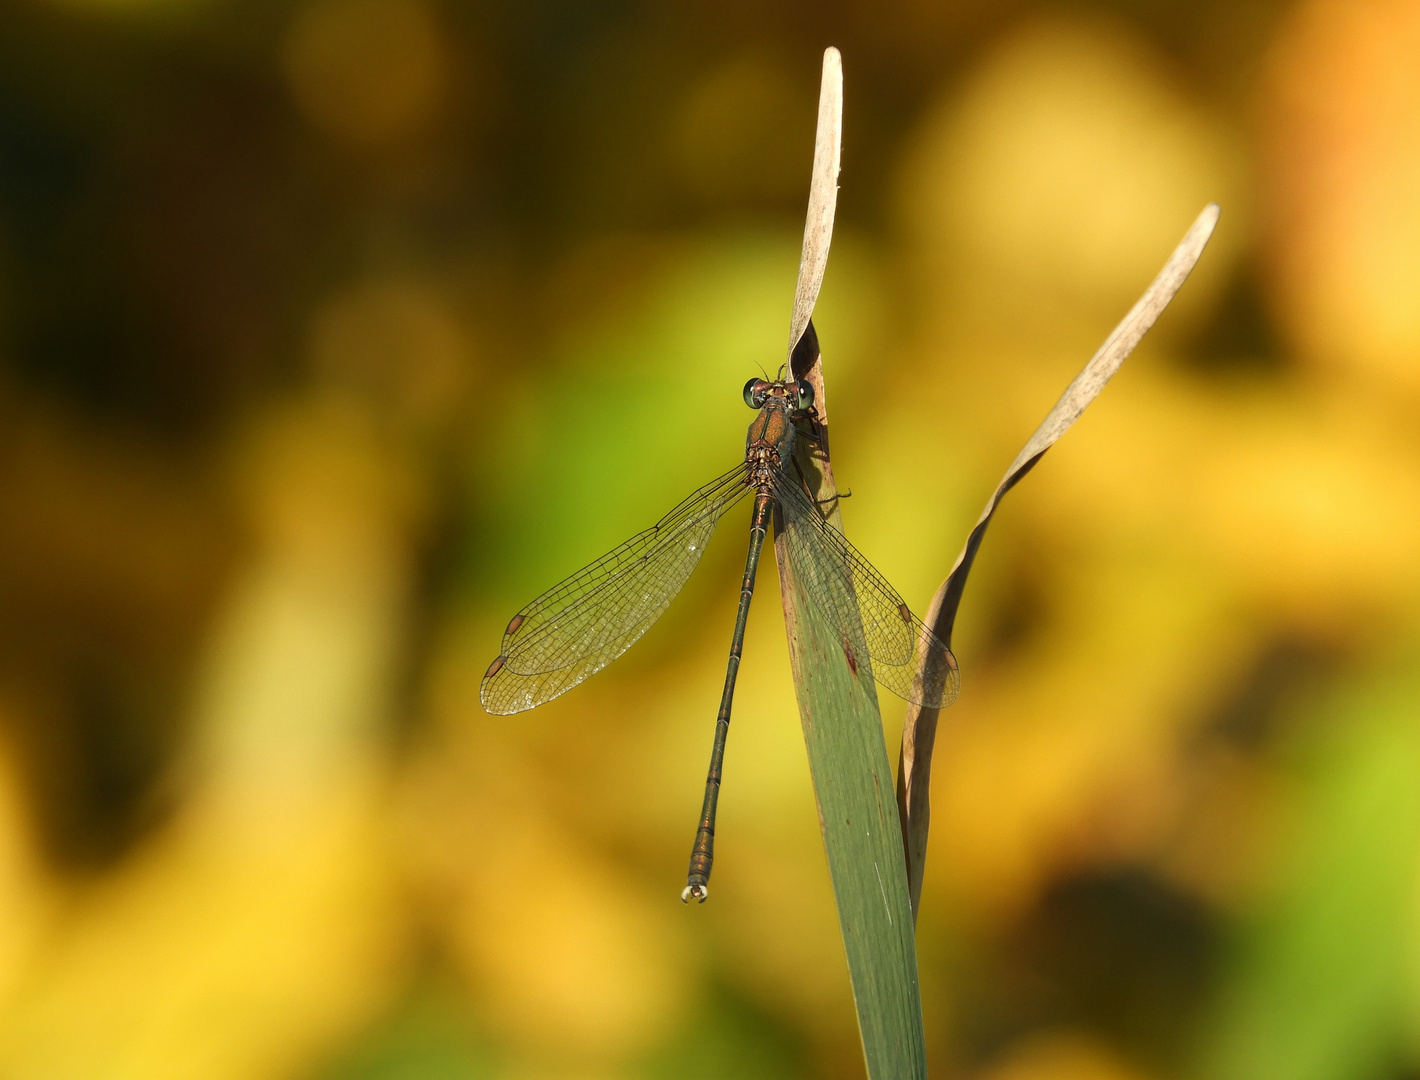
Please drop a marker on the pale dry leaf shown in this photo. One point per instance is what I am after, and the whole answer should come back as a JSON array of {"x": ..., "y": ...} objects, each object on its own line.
[
  {"x": 823, "y": 196},
  {"x": 920, "y": 730}
]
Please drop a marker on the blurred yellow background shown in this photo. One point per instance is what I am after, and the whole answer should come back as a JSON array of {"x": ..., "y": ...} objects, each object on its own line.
[{"x": 332, "y": 331}]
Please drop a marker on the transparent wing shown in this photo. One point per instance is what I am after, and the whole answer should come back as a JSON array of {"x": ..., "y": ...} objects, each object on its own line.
[
  {"x": 860, "y": 604},
  {"x": 582, "y": 624}
]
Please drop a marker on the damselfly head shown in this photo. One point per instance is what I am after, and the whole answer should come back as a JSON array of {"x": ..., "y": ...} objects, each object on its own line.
[{"x": 799, "y": 395}]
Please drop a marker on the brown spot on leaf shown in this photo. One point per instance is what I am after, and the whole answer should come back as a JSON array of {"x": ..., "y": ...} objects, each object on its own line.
[{"x": 852, "y": 660}]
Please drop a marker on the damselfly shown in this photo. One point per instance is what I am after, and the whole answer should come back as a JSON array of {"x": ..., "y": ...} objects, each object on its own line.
[{"x": 581, "y": 625}]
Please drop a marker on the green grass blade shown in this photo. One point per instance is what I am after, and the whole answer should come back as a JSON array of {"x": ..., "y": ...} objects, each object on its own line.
[
  {"x": 843, "y": 730},
  {"x": 853, "y": 785}
]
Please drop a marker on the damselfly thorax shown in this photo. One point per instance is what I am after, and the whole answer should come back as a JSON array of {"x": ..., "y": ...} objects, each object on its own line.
[{"x": 769, "y": 443}]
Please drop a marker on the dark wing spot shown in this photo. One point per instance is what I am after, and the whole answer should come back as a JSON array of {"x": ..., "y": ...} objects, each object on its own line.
[
  {"x": 513, "y": 625},
  {"x": 906, "y": 615},
  {"x": 495, "y": 666}
]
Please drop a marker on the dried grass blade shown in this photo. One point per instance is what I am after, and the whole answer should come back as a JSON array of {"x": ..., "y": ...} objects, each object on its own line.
[
  {"x": 823, "y": 196},
  {"x": 920, "y": 731}
]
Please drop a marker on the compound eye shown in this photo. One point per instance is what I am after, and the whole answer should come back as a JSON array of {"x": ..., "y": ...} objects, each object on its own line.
[
  {"x": 806, "y": 394},
  {"x": 754, "y": 393}
]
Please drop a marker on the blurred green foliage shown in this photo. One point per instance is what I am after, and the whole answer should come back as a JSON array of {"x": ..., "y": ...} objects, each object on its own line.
[{"x": 333, "y": 330}]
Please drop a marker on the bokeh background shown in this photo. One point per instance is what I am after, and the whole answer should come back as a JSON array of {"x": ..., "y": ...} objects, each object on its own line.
[{"x": 331, "y": 331}]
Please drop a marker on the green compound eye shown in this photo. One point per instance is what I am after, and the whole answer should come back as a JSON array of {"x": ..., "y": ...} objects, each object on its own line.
[
  {"x": 754, "y": 393},
  {"x": 806, "y": 394}
]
